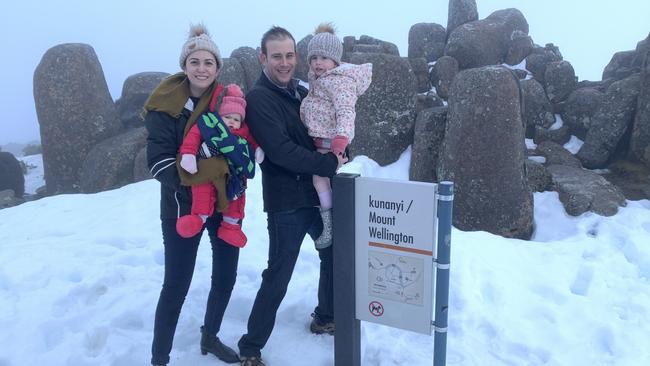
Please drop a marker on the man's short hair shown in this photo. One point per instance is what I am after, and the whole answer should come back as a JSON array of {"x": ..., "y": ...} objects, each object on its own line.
[{"x": 276, "y": 34}]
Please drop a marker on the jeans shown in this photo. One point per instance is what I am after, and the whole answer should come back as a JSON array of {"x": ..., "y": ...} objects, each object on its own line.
[
  {"x": 180, "y": 257},
  {"x": 287, "y": 230}
]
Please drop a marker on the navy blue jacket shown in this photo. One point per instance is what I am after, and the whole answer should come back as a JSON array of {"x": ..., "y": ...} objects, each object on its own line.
[{"x": 273, "y": 116}]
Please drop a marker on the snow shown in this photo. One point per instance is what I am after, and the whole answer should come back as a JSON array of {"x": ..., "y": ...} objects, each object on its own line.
[
  {"x": 530, "y": 144},
  {"x": 519, "y": 66},
  {"x": 557, "y": 124},
  {"x": 574, "y": 145},
  {"x": 34, "y": 178},
  {"x": 539, "y": 159},
  {"x": 80, "y": 276}
]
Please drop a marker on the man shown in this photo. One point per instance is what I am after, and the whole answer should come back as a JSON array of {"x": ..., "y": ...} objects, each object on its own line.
[{"x": 290, "y": 200}]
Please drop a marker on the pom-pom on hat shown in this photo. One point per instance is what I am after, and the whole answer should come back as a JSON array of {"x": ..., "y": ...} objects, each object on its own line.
[
  {"x": 199, "y": 39},
  {"x": 325, "y": 43},
  {"x": 233, "y": 101}
]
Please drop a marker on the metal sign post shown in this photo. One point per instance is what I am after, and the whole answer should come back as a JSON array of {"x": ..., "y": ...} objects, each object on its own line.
[
  {"x": 445, "y": 203},
  {"x": 347, "y": 339},
  {"x": 384, "y": 240}
]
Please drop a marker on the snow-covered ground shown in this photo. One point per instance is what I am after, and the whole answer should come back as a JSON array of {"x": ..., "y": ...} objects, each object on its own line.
[
  {"x": 34, "y": 178},
  {"x": 80, "y": 276}
]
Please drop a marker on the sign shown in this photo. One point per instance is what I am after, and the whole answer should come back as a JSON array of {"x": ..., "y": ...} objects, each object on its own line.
[{"x": 394, "y": 235}]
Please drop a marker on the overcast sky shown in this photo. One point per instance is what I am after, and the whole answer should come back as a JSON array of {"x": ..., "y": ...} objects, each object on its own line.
[{"x": 145, "y": 35}]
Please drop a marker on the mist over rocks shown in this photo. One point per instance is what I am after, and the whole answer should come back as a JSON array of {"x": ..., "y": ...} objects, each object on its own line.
[{"x": 410, "y": 102}]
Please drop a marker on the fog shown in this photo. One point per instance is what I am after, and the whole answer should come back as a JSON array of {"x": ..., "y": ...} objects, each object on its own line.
[{"x": 136, "y": 36}]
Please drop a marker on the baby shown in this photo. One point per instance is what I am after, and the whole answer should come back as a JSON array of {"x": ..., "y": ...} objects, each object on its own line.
[{"x": 232, "y": 112}]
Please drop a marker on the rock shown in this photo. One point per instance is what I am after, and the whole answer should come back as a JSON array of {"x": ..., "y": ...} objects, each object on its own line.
[
  {"x": 611, "y": 121},
  {"x": 560, "y": 80},
  {"x": 579, "y": 110},
  {"x": 368, "y": 48},
  {"x": 385, "y": 112},
  {"x": 537, "y": 61},
  {"x": 581, "y": 190},
  {"x": 41, "y": 192},
  {"x": 626, "y": 63},
  {"x": 620, "y": 66},
  {"x": 110, "y": 164},
  {"x": 633, "y": 179},
  {"x": 520, "y": 47},
  {"x": 487, "y": 41},
  {"x": 11, "y": 174},
  {"x": 461, "y": 12},
  {"x": 348, "y": 46},
  {"x": 426, "y": 101},
  {"x": 75, "y": 112},
  {"x": 560, "y": 136},
  {"x": 367, "y": 44},
  {"x": 386, "y": 47},
  {"x": 232, "y": 72},
  {"x": 302, "y": 68},
  {"x": 538, "y": 111},
  {"x": 421, "y": 71},
  {"x": 538, "y": 178},
  {"x": 484, "y": 153},
  {"x": 556, "y": 154},
  {"x": 520, "y": 74},
  {"x": 427, "y": 40},
  {"x": 8, "y": 198},
  {"x": 429, "y": 133},
  {"x": 640, "y": 139},
  {"x": 135, "y": 91},
  {"x": 442, "y": 74},
  {"x": 600, "y": 86},
  {"x": 248, "y": 58},
  {"x": 642, "y": 49},
  {"x": 140, "y": 167}
]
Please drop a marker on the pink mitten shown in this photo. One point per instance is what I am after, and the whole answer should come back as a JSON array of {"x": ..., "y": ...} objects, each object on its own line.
[
  {"x": 339, "y": 143},
  {"x": 259, "y": 155},
  {"x": 188, "y": 162}
]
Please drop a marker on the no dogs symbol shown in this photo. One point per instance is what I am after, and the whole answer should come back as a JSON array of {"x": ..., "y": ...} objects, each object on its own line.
[{"x": 376, "y": 308}]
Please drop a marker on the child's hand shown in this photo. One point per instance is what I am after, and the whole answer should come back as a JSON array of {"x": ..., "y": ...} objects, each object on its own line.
[
  {"x": 188, "y": 162},
  {"x": 339, "y": 143},
  {"x": 259, "y": 155}
]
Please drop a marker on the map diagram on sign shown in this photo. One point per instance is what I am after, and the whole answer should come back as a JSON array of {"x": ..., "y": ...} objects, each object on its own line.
[{"x": 395, "y": 277}]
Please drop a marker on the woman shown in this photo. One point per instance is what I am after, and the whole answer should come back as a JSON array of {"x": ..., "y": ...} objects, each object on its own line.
[{"x": 169, "y": 112}]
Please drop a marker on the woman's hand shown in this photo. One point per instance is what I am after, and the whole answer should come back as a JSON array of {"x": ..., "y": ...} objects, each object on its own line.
[{"x": 188, "y": 162}]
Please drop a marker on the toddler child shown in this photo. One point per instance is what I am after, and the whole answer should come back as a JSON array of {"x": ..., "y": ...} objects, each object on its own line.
[{"x": 328, "y": 111}]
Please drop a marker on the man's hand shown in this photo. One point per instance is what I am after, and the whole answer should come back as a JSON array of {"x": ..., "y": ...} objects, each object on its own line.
[
  {"x": 342, "y": 159},
  {"x": 188, "y": 162}
]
